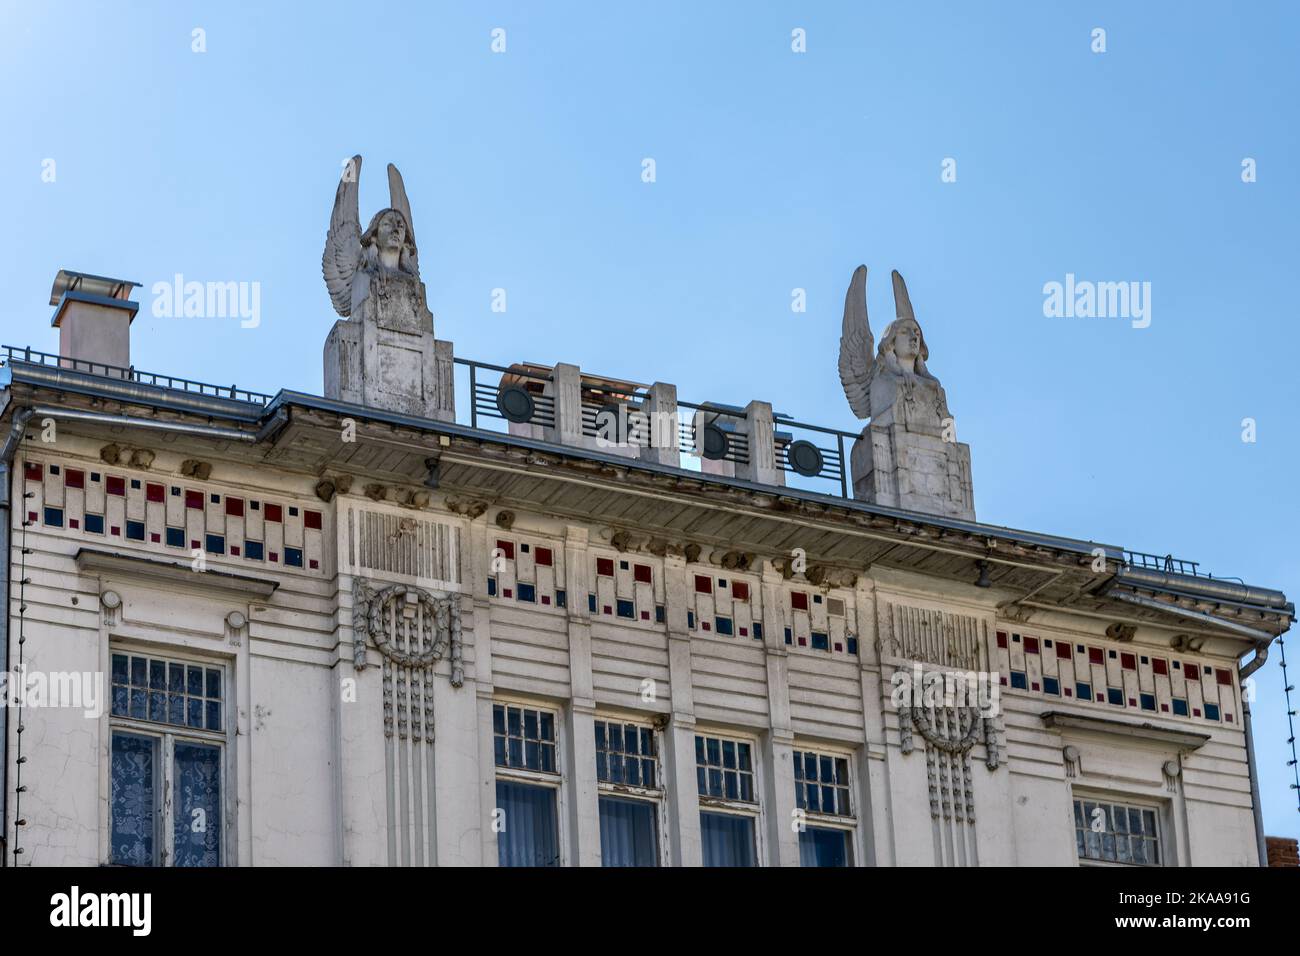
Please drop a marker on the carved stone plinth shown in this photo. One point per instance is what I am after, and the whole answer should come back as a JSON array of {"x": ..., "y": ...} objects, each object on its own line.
[{"x": 898, "y": 468}]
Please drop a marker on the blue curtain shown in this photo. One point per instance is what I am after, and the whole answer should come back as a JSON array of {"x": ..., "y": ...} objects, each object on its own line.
[
  {"x": 197, "y": 812},
  {"x": 530, "y": 837},
  {"x": 727, "y": 839},
  {"x": 824, "y": 846},
  {"x": 628, "y": 832},
  {"x": 133, "y": 767}
]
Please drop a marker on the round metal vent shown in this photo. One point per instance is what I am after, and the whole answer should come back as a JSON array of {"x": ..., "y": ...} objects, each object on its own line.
[
  {"x": 805, "y": 458},
  {"x": 714, "y": 443},
  {"x": 515, "y": 404}
]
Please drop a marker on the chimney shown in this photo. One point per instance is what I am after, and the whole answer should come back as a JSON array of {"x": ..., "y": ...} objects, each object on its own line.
[{"x": 93, "y": 315}]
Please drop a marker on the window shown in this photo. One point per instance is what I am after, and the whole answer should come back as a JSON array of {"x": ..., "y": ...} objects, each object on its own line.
[
  {"x": 1116, "y": 833},
  {"x": 724, "y": 774},
  {"x": 627, "y": 774},
  {"x": 821, "y": 790},
  {"x": 524, "y": 749},
  {"x": 168, "y": 736}
]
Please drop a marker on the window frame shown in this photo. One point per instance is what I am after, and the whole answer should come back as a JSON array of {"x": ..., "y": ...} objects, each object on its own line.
[
  {"x": 1164, "y": 832},
  {"x": 556, "y": 781},
  {"x": 658, "y": 797},
  {"x": 755, "y": 810},
  {"x": 829, "y": 821},
  {"x": 167, "y": 736}
]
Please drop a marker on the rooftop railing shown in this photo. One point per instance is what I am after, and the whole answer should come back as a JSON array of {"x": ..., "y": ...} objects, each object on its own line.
[
  {"x": 635, "y": 421},
  {"x": 131, "y": 374}
]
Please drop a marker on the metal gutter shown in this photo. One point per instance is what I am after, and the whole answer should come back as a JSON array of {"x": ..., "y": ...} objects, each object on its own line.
[{"x": 1205, "y": 587}]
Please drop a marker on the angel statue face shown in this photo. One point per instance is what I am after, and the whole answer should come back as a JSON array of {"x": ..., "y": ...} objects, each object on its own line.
[
  {"x": 907, "y": 343},
  {"x": 390, "y": 232}
]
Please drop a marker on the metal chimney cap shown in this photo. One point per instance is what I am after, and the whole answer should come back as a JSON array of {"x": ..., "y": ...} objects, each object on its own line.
[{"x": 68, "y": 281}]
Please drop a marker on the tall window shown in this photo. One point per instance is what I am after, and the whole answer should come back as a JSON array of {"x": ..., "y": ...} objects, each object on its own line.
[
  {"x": 1107, "y": 832},
  {"x": 724, "y": 774},
  {"x": 627, "y": 774},
  {"x": 821, "y": 790},
  {"x": 168, "y": 737},
  {"x": 528, "y": 786}
]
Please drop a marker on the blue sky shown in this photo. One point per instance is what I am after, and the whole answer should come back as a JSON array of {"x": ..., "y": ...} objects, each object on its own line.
[{"x": 775, "y": 171}]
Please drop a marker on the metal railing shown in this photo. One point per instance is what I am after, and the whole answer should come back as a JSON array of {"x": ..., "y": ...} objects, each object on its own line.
[
  {"x": 31, "y": 356},
  {"x": 1167, "y": 564}
]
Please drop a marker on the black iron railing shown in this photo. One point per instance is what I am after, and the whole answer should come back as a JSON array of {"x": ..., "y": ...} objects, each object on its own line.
[
  {"x": 86, "y": 367},
  {"x": 1167, "y": 564}
]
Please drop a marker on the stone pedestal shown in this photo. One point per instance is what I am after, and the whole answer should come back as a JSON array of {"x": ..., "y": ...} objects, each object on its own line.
[
  {"x": 913, "y": 470},
  {"x": 387, "y": 357}
]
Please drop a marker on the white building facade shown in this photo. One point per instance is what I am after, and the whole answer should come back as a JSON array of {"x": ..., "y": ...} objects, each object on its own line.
[{"x": 328, "y": 633}]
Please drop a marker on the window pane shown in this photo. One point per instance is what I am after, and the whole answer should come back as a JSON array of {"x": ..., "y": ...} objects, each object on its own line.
[
  {"x": 530, "y": 836},
  {"x": 214, "y": 682},
  {"x": 823, "y": 846},
  {"x": 628, "y": 833},
  {"x": 197, "y": 805},
  {"x": 133, "y": 771},
  {"x": 727, "y": 839}
]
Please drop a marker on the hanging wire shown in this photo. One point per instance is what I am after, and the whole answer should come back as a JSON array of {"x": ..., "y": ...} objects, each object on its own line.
[
  {"x": 1287, "y": 687},
  {"x": 23, "y": 580}
]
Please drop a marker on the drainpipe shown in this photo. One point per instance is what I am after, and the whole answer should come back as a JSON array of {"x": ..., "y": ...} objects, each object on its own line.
[
  {"x": 8, "y": 450},
  {"x": 1262, "y": 640}
]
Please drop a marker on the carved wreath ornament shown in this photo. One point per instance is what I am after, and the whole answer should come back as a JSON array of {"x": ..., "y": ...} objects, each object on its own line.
[{"x": 409, "y": 626}]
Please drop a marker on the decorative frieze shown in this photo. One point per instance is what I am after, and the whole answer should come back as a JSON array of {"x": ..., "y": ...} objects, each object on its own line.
[{"x": 932, "y": 636}]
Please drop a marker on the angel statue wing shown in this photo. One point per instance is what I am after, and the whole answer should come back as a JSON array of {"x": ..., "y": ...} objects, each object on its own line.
[
  {"x": 342, "y": 252},
  {"x": 397, "y": 199},
  {"x": 857, "y": 346}
]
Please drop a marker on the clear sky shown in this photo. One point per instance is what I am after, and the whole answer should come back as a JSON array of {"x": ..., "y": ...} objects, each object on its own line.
[{"x": 775, "y": 170}]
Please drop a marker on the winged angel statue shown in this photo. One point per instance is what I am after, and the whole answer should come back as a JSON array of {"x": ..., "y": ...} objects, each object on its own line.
[
  {"x": 893, "y": 386},
  {"x": 379, "y": 266}
]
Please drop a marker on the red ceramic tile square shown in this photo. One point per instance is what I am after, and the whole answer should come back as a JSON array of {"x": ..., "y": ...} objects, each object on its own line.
[
  {"x": 1063, "y": 650},
  {"x": 608, "y": 610},
  {"x": 234, "y": 507},
  {"x": 703, "y": 584},
  {"x": 641, "y": 574},
  {"x": 74, "y": 478},
  {"x": 313, "y": 564},
  {"x": 544, "y": 557},
  {"x": 1196, "y": 711},
  {"x": 193, "y": 499},
  {"x": 706, "y": 626},
  {"x": 33, "y": 470},
  {"x": 1069, "y": 691},
  {"x": 1034, "y": 686},
  {"x": 1002, "y": 639},
  {"x": 1159, "y": 666},
  {"x": 740, "y": 590},
  {"x": 1164, "y": 708},
  {"x": 234, "y": 550},
  {"x": 799, "y": 600},
  {"x": 1132, "y": 702},
  {"x": 1228, "y": 717},
  {"x": 155, "y": 537},
  {"x": 838, "y": 647},
  {"x": 74, "y": 523},
  {"x": 1004, "y": 681},
  {"x": 115, "y": 485},
  {"x": 645, "y": 615},
  {"x": 274, "y": 512},
  {"x": 803, "y": 642},
  {"x": 507, "y": 592},
  {"x": 117, "y": 530},
  {"x": 31, "y": 516},
  {"x": 311, "y": 520},
  {"x": 154, "y": 492},
  {"x": 1095, "y": 656},
  {"x": 744, "y": 632},
  {"x": 546, "y": 599},
  {"x": 274, "y": 555},
  {"x": 195, "y": 544},
  {"x": 1031, "y": 645},
  {"x": 605, "y": 567},
  {"x": 1223, "y": 677},
  {"x": 1128, "y": 662}
]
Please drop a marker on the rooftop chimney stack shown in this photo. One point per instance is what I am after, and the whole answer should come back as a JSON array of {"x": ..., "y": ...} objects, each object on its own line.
[{"x": 93, "y": 315}]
